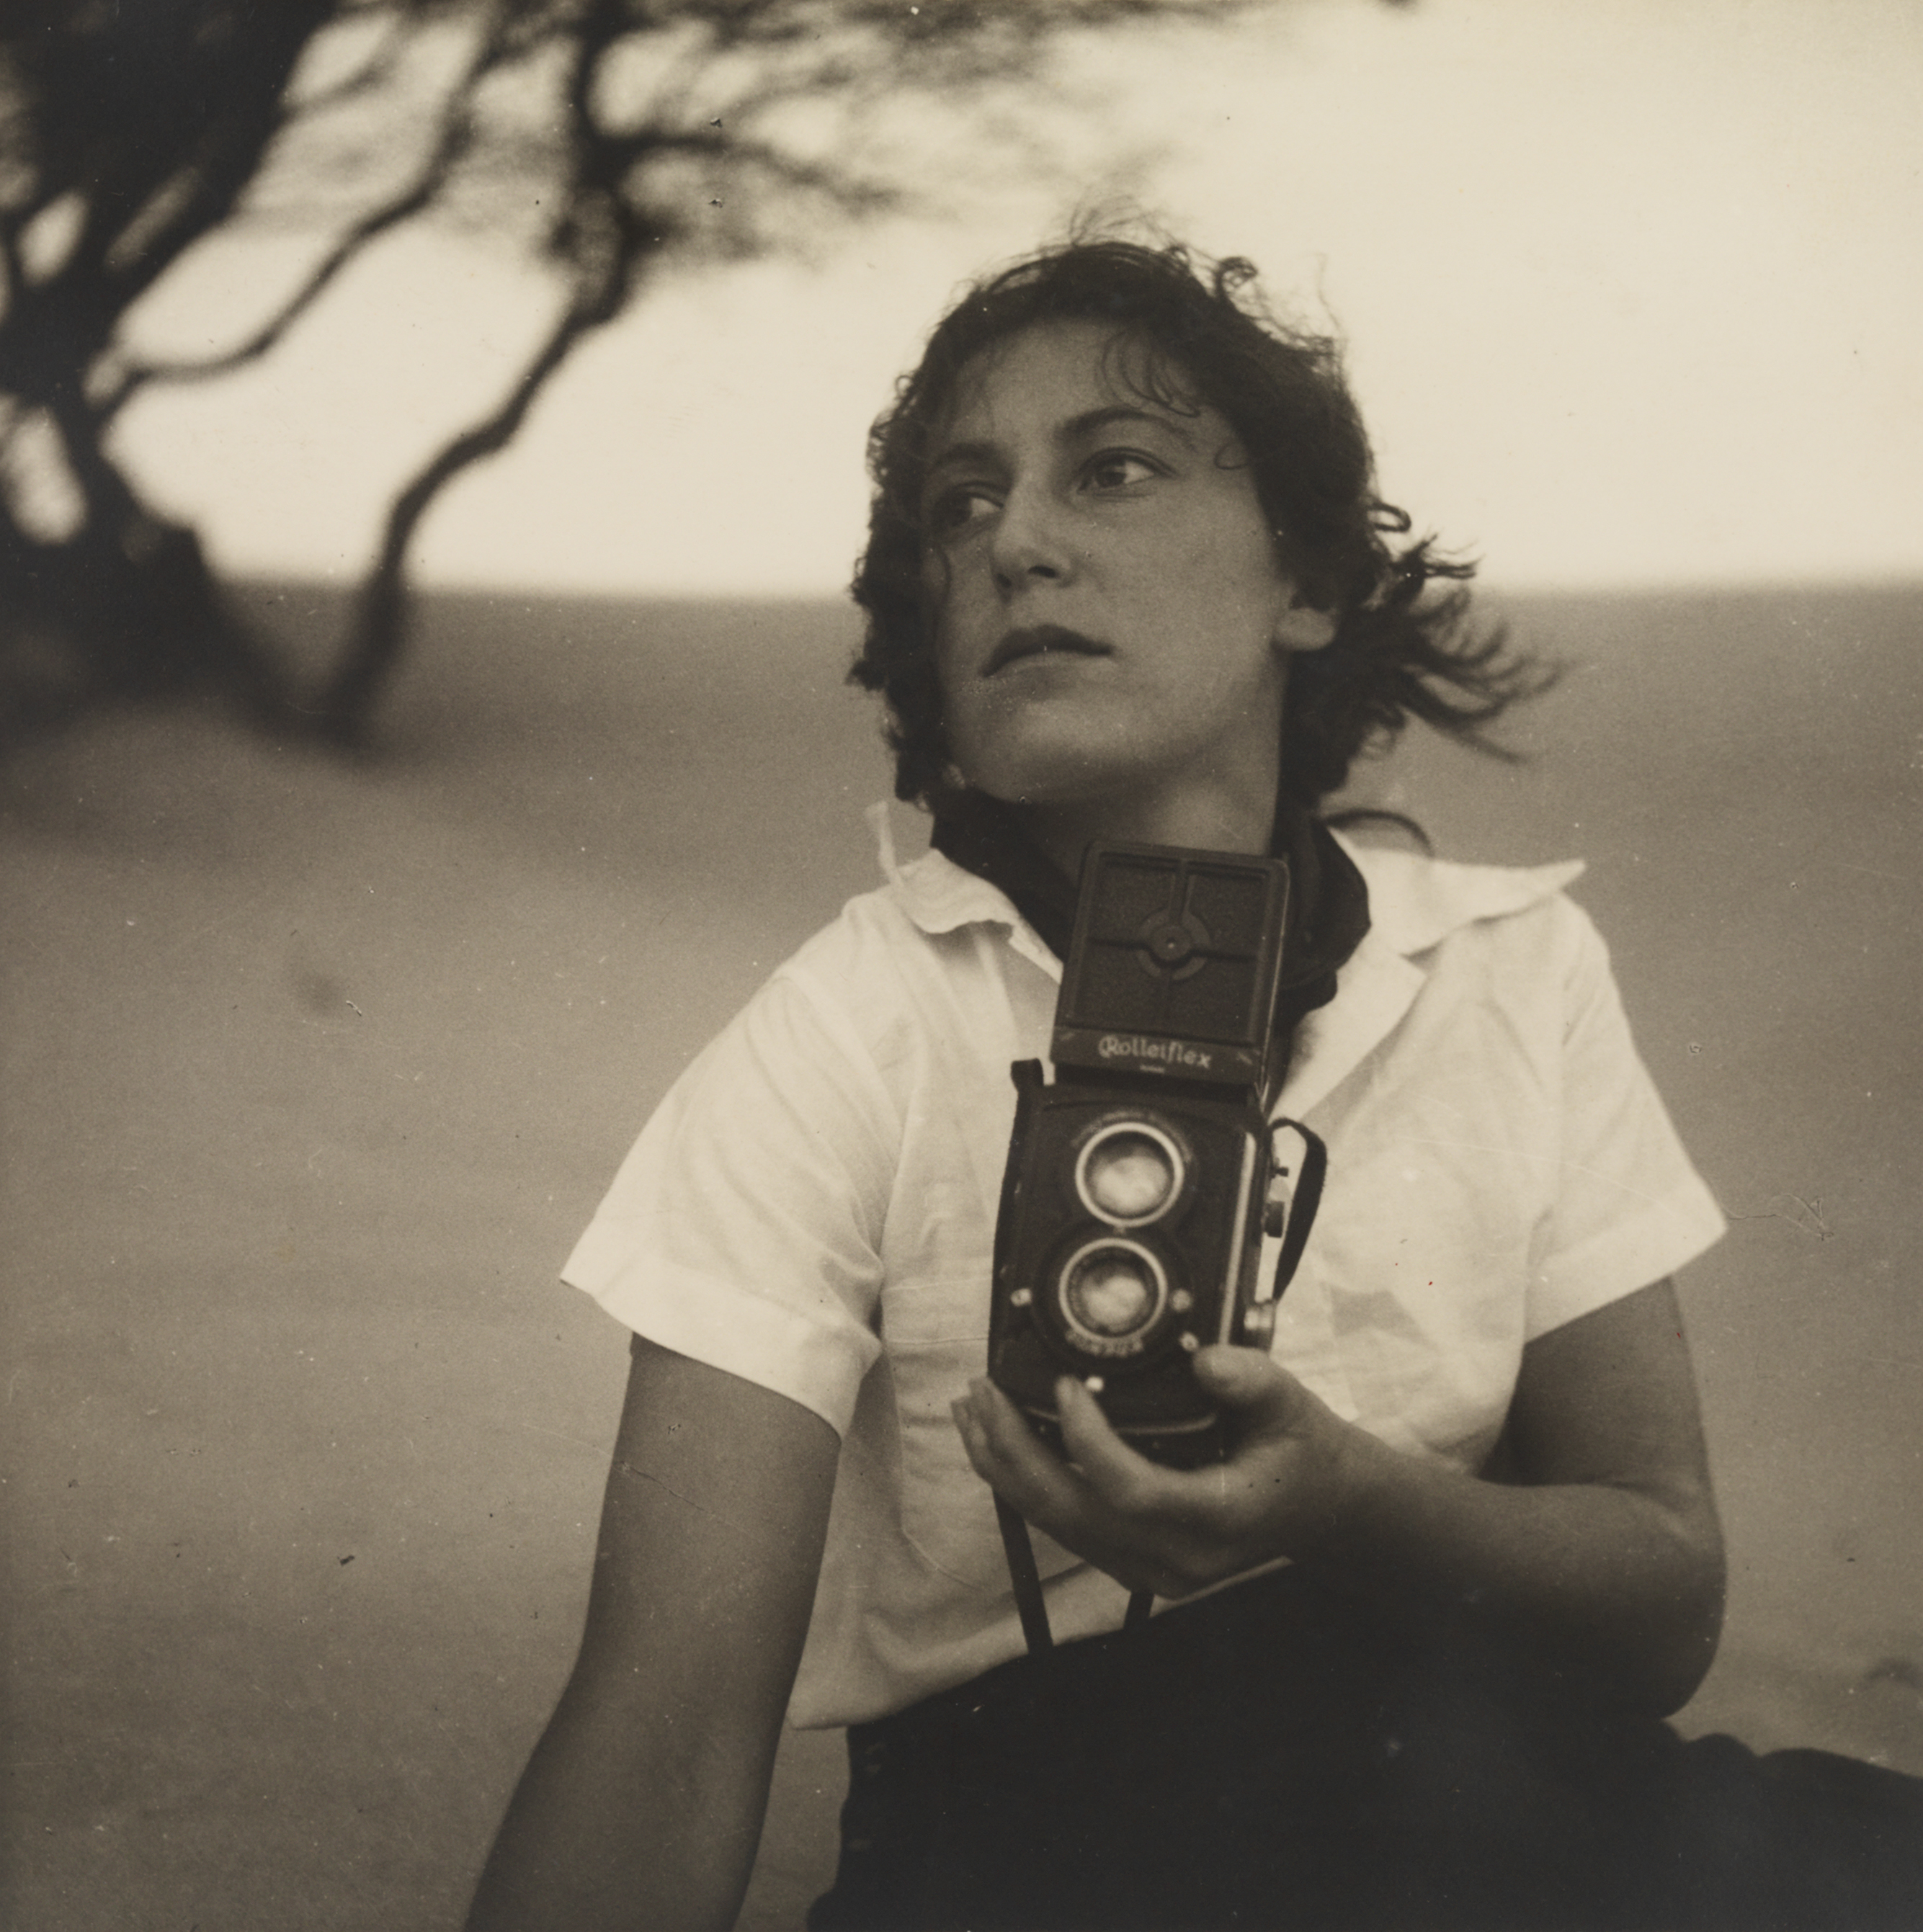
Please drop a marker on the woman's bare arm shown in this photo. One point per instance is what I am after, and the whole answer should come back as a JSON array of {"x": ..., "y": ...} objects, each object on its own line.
[
  {"x": 642, "y": 1805},
  {"x": 1605, "y": 1551}
]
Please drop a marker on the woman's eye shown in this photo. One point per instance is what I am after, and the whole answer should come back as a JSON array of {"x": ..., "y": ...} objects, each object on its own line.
[
  {"x": 1118, "y": 468},
  {"x": 965, "y": 503}
]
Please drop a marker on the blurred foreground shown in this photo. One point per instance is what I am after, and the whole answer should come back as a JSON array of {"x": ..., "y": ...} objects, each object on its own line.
[{"x": 312, "y": 1075}]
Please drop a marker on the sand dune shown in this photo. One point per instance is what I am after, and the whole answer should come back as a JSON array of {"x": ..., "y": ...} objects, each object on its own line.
[{"x": 312, "y": 1075}]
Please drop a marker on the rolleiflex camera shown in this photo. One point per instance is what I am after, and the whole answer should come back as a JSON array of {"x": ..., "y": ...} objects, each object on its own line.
[{"x": 1141, "y": 1179}]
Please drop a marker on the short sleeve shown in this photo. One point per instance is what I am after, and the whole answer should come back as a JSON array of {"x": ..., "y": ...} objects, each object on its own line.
[
  {"x": 744, "y": 1228},
  {"x": 1629, "y": 1209}
]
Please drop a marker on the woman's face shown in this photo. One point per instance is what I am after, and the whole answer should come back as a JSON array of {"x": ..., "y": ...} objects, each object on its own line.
[{"x": 1111, "y": 621}]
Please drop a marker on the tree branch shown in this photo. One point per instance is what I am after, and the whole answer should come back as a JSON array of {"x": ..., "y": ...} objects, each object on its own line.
[
  {"x": 228, "y": 159},
  {"x": 378, "y": 631},
  {"x": 377, "y": 68},
  {"x": 456, "y": 131}
]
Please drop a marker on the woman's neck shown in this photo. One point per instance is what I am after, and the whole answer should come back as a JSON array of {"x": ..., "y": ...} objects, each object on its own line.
[{"x": 1215, "y": 819}]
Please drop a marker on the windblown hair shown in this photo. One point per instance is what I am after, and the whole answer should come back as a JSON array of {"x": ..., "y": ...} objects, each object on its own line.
[{"x": 1401, "y": 650}]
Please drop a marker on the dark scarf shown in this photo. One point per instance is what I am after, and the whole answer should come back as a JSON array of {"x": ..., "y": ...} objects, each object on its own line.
[{"x": 1328, "y": 910}]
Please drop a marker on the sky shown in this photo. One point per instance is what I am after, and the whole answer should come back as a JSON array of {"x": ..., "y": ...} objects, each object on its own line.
[{"x": 1631, "y": 291}]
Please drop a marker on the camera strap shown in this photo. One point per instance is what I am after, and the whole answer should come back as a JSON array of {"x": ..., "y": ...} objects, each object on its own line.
[
  {"x": 1027, "y": 1581},
  {"x": 1016, "y": 1544},
  {"x": 1026, "y": 1578}
]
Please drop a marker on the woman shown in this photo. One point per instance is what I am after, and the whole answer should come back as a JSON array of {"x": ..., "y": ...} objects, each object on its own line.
[{"x": 1127, "y": 578}]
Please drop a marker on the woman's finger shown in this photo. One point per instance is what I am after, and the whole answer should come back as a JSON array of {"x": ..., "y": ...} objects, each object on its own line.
[
  {"x": 1056, "y": 1499},
  {"x": 1264, "y": 1396},
  {"x": 1008, "y": 1456},
  {"x": 1122, "y": 1477}
]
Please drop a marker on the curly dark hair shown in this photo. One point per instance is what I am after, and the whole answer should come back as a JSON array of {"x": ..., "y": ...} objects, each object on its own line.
[{"x": 1401, "y": 649}]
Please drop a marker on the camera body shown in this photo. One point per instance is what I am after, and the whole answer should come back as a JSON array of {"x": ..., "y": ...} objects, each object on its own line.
[{"x": 1141, "y": 1179}]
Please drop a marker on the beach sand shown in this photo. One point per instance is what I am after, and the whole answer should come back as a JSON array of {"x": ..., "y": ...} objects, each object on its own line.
[{"x": 312, "y": 1075}]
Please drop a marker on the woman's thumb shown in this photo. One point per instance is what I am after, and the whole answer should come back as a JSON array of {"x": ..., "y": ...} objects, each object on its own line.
[{"x": 1248, "y": 1380}]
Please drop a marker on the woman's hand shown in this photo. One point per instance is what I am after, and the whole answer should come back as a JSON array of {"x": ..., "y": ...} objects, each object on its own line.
[
  {"x": 1603, "y": 1553},
  {"x": 1169, "y": 1531}
]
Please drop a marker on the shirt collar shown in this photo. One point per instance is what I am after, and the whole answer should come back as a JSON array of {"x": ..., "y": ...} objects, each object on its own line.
[
  {"x": 941, "y": 896},
  {"x": 1415, "y": 902}
]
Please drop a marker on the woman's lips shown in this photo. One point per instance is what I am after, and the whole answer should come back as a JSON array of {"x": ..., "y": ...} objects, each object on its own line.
[{"x": 1037, "y": 640}]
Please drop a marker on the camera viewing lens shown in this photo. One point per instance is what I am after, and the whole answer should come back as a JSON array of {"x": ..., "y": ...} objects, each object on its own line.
[
  {"x": 1111, "y": 1290},
  {"x": 1128, "y": 1174}
]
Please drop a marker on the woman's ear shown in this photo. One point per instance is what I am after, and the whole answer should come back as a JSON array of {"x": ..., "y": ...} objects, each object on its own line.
[{"x": 1303, "y": 627}]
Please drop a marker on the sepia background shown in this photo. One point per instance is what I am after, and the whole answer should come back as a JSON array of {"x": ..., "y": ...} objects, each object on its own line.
[{"x": 313, "y": 1070}]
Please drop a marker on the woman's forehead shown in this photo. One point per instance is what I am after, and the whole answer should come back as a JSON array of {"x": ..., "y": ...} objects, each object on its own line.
[{"x": 1064, "y": 369}]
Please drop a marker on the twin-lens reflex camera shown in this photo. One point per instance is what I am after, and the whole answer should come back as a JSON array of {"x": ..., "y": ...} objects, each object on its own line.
[{"x": 1141, "y": 1179}]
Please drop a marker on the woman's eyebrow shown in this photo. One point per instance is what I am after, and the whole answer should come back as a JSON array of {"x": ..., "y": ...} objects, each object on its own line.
[
  {"x": 1091, "y": 423},
  {"x": 967, "y": 455}
]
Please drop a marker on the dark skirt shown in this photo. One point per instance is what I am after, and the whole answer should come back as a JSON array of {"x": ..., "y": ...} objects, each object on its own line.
[{"x": 1280, "y": 1755}]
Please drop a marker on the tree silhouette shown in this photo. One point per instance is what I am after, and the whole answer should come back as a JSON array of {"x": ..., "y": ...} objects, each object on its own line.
[{"x": 615, "y": 138}]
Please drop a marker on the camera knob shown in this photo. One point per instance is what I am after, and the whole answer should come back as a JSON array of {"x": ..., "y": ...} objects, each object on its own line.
[
  {"x": 1259, "y": 1325},
  {"x": 1171, "y": 943}
]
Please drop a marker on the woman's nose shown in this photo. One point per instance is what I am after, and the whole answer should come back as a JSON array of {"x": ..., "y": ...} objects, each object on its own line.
[{"x": 1030, "y": 544}]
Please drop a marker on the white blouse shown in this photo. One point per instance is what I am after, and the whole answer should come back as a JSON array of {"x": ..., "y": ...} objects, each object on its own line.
[{"x": 813, "y": 1207}]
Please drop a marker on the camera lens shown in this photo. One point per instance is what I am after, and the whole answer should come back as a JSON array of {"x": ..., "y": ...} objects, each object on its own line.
[
  {"x": 1128, "y": 1174},
  {"x": 1111, "y": 1290}
]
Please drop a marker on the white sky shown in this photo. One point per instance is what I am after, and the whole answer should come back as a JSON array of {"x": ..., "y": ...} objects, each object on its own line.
[{"x": 1631, "y": 287}]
